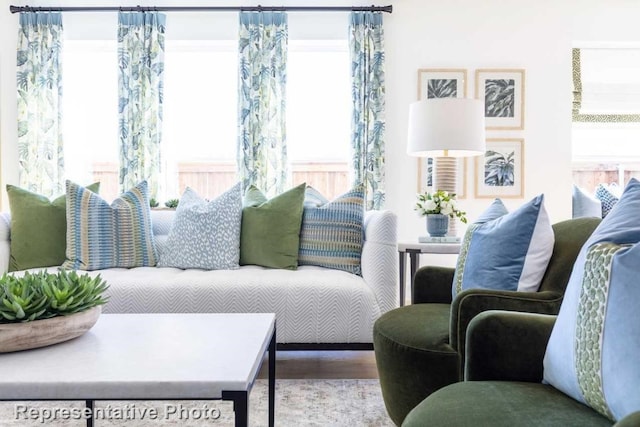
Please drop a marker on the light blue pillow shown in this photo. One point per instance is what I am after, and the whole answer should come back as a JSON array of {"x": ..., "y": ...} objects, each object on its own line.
[
  {"x": 594, "y": 351},
  {"x": 332, "y": 234},
  {"x": 509, "y": 253},
  {"x": 495, "y": 210},
  {"x": 607, "y": 197},
  {"x": 313, "y": 198},
  {"x": 205, "y": 235},
  {"x": 102, "y": 236},
  {"x": 585, "y": 205}
]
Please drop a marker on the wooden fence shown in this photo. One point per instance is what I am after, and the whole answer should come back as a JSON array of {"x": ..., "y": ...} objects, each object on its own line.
[
  {"x": 210, "y": 179},
  {"x": 589, "y": 175}
]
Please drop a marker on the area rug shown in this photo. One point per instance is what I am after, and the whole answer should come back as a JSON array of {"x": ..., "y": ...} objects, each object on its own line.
[{"x": 298, "y": 403}]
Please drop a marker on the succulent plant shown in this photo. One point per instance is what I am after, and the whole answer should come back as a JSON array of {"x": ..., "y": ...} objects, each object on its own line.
[
  {"x": 44, "y": 295},
  {"x": 172, "y": 203},
  {"x": 153, "y": 203}
]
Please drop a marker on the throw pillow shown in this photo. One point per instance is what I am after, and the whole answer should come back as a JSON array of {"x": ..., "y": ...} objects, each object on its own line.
[
  {"x": 38, "y": 228},
  {"x": 495, "y": 210},
  {"x": 101, "y": 236},
  {"x": 509, "y": 253},
  {"x": 205, "y": 234},
  {"x": 270, "y": 234},
  {"x": 594, "y": 348},
  {"x": 607, "y": 197},
  {"x": 585, "y": 205},
  {"x": 313, "y": 198},
  {"x": 331, "y": 235}
]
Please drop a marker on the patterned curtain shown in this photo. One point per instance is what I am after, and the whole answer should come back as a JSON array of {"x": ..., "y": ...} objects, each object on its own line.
[
  {"x": 262, "y": 150},
  {"x": 366, "y": 43},
  {"x": 140, "y": 85},
  {"x": 39, "y": 82}
]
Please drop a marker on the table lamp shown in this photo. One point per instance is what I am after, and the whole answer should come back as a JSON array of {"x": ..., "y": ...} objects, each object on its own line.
[{"x": 446, "y": 128}]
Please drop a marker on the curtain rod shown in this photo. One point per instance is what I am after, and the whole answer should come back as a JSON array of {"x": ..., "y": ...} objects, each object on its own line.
[{"x": 388, "y": 9}]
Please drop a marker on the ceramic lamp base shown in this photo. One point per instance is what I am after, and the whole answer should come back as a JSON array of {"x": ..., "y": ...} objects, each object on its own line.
[{"x": 445, "y": 170}]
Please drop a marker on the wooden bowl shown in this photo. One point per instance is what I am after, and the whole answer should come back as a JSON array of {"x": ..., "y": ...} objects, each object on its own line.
[{"x": 40, "y": 333}]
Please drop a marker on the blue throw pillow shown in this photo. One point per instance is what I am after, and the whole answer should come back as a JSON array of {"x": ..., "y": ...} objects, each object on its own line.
[
  {"x": 607, "y": 197},
  {"x": 594, "y": 348},
  {"x": 101, "y": 236},
  {"x": 205, "y": 235},
  {"x": 332, "y": 234},
  {"x": 509, "y": 253},
  {"x": 495, "y": 210},
  {"x": 585, "y": 205}
]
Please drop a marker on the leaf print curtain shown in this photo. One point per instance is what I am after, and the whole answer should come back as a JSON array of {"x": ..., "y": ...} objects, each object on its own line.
[
  {"x": 140, "y": 86},
  {"x": 366, "y": 44},
  {"x": 262, "y": 150},
  {"x": 39, "y": 82}
]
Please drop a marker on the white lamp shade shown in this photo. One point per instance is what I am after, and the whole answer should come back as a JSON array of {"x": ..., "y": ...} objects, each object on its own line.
[{"x": 446, "y": 127}]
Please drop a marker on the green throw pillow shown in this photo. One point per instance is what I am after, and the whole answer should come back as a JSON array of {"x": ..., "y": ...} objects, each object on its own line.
[
  {"x": 38, "y": 228},
  {"x": 270, "y": 234}
]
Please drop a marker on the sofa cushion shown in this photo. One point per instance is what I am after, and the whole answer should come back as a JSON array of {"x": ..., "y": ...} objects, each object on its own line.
[
  {"x": 584, "y": 205},
  {"x": 331, "y": 234},
  {"x": 205, "y": 234},
  {"x": 38, "y": 228},
  {"x": 501, "y": 404},
  {"x": 312, "y": 304},
  {"x": 608, "y": 197},
  {"x": 507, "y": 253},
  {"x": 101, "y": 236},
  {"x": 270, "y": 234},
  {"x": 594, "y": 348}
]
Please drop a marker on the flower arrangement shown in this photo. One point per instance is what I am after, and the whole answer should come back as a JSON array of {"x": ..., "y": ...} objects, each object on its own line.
[{"x": 440, "y": 202}]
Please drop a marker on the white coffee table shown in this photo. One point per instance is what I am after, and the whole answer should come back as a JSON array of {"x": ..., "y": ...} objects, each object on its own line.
[{"x": 150, "y": 357}]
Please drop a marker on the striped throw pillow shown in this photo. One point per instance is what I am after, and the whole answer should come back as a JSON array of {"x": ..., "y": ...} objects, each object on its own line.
[
  {"x": 101, "y": 236},
  {"x": 332, "y": 234}
]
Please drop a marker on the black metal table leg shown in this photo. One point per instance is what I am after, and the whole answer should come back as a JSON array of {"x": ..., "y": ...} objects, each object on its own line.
[
  {"x": 240, "y": 406},
  {"x": 403, "y": 270},
  {"x": 272, "y": 379},
  {"x": 89, "y": 404},
  {"x": 415, "y": 264}
]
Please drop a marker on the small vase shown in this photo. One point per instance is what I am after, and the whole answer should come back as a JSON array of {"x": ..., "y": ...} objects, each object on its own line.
[{"x": 437, "y": 225}]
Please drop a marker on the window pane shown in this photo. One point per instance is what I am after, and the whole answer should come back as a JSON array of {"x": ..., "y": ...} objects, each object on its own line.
[
  {"x": 200, "y": 116},
  {"x": 319, "y": 114},
  {"x": 90, "y": 115}
]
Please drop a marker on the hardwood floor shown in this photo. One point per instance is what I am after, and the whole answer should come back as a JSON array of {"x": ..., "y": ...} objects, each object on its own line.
[{"x": 323, "y": 365}]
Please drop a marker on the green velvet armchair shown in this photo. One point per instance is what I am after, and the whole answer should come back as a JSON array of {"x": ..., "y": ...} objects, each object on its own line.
[
  {"x": 420, "y": 348},
  {"x": 503, "y": 381}
]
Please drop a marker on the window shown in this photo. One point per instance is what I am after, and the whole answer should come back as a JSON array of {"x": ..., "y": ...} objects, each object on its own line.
[
  {"x": 606, "y": 115},
  {"x": 319, "y": 115},
  {"x": 200, "y": 115}
]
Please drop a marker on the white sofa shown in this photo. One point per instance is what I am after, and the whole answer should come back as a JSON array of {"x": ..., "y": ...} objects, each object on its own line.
[{"x": 314, "y": 306}]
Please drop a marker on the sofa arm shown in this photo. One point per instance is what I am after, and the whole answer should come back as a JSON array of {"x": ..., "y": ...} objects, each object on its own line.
[
  {"x": 379, "y": 257},
  {"x": 472, "y": 302},
  {"x": 5, "y": 241},
  {"x": 631, "y": 420},
  {"x": 432, "y": 285},
  {"x": 507, "y": 346}
]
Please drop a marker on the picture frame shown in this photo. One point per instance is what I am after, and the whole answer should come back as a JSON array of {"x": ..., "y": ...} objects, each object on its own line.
[
  {"x": 502, "y": 91},
  {"x": 425, "y": 177},
  {"x": 441, "y": 83},
  {"x": 500, "y": 172}
]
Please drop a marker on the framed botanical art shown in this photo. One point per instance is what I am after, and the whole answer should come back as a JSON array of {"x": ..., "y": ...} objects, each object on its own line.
[
  {"x": 500, "y": 172},
  {"x": 425, "y": 176},
  {"x": 440, "y": 83},
  {"x": 503, "y": 93}
]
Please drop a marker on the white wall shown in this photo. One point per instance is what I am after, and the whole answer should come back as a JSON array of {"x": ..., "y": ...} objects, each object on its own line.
[{"x": 471, "y": 34}]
